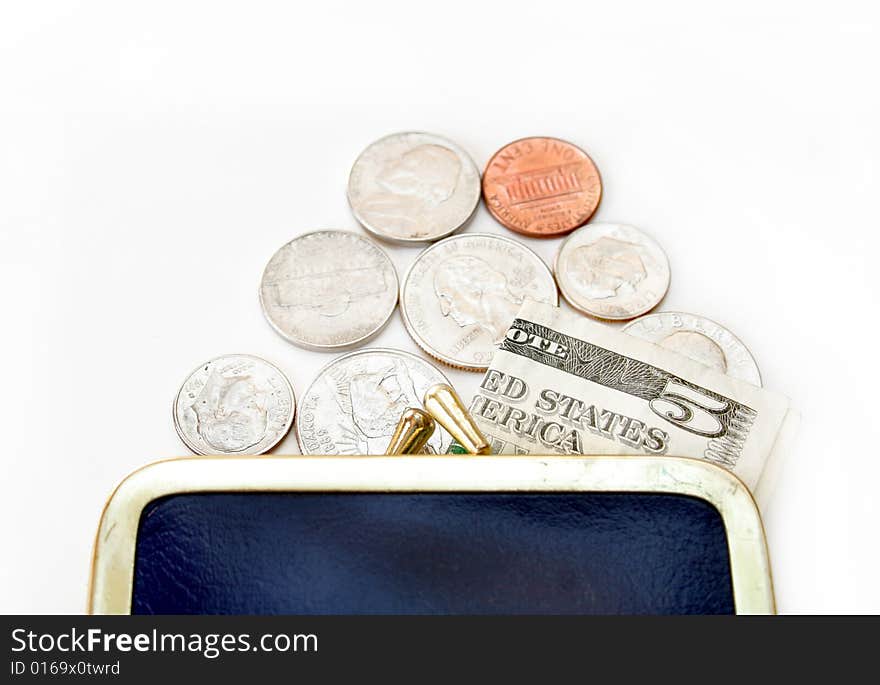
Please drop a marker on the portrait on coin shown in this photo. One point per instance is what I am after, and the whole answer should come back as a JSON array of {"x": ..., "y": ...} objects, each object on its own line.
[
  {"x": 410, "y": 187},
  {"x": 607, "y": 268},
  {"x": 471, "y": 292},
  {"x": 374, "y": 399},
  {"x": 231, "y": 409}
]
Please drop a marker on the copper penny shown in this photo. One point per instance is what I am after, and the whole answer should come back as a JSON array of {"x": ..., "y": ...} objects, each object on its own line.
[{"x": 541, "y": 186}]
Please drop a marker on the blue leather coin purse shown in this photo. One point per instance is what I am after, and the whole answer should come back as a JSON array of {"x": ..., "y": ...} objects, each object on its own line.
[{"x": 431, "y": 535}]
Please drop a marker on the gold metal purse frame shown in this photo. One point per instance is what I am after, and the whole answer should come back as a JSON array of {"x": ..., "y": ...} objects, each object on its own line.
[{"x": 110, "y": 590}]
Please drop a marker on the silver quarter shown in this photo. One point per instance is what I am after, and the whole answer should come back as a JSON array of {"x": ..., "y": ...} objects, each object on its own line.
[
  {"x": 354, "y": 404},
  {"x": 413, "y": 187},
  {"x": 329, "y": 290},
  {"x": 611, "y": 271},
  {"x": 460, "y": 296},
  {"x": 235, "y": 404},
  {"x": 700, "y": 339}
]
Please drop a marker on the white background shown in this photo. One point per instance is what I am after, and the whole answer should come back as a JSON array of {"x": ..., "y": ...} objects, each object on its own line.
[{"x": 154, "y": 155}]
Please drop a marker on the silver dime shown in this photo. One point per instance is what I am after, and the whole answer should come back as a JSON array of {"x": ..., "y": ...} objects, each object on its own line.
[
  {"x": 329, "y": 290},
  {"x": 611, "y": 271},
  {"x": 413, "y": 187},
  {"x": 701, "y": 339},
  {"x": 354, "y": 404},
  {"x": 235, "y": 404},
  {"x": 460, "y": 296}
]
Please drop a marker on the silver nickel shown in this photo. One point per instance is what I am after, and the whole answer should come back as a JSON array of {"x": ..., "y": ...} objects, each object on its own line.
[
  {"x": 329, "y": 290},
  {"x": 235, "y": 404},
  {"x": 700, "y": 339},
  {"x": 460, "y": 296},
  {"x": 413, "y": 187},
  {"x": 611, "y": 271},
  {"x": 354, "y": 404}
]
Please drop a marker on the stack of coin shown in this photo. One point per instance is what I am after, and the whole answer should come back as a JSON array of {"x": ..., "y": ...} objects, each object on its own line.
[{"x": 333, "y": 290}]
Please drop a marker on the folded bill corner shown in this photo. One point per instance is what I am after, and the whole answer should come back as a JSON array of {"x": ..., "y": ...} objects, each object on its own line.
[{"x": 561, "y": 383}]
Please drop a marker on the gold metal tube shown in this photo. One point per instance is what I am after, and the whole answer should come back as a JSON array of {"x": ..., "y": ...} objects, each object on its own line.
[
  {"x": 413, "y": 431},
  {"x": 444, "y": 404}
]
